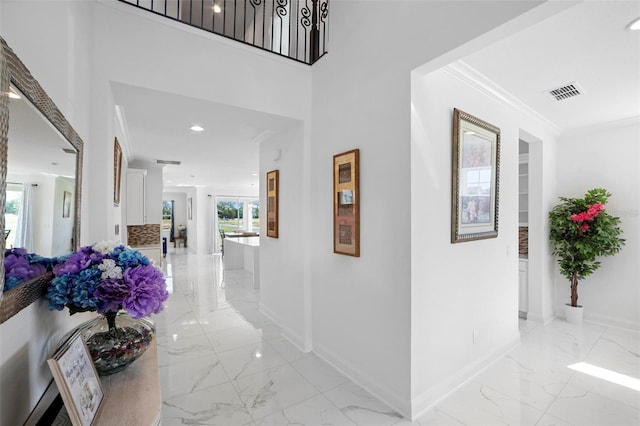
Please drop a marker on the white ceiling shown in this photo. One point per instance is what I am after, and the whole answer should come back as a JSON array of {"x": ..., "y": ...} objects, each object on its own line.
[
  {"x": 587, "y": 43},
  {"x": 225, "y": 156},
  {"x": 35, "y": 146}
]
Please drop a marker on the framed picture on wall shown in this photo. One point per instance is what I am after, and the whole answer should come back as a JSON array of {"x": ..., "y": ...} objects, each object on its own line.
[
  {"x": 77, "y": 381},
  {"x": 66, "y": 204},
  {"x": 189, "y": 206},
  {"x": 272, "y": 203},
  {"x": 475, "y": 178},
  {"x": 117, "y": 171},
  {"x": 346, "y": 203}
]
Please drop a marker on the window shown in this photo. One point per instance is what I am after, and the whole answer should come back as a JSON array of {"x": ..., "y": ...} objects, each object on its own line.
[
  {"x": 237, "y": 214},
  {"x": 167, "y": 214},
  {"x": 11, "y": 210}
]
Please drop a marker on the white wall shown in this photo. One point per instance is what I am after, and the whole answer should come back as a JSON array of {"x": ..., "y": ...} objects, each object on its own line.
[
  {"x": 60, "y": 61},
  {"x": 474, "y": 285},
  {"x": 283, "y": 290},
  {"x": 361, "y": 99},
  {"x": 149, "y": 51},
  {"x": 606, "y": 157}
]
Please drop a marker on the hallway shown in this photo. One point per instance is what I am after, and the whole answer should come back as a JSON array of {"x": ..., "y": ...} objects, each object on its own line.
[{"x": 223, "y": 363}]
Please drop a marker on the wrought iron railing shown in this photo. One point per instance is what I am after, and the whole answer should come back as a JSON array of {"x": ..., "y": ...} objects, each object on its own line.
[{"x": 296, "y": 29}]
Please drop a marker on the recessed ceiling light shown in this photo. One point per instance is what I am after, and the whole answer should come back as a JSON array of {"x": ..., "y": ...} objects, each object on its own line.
[
  {"x": 634, "y": 25},
  {"x": 197, "y": 128},
  {"x": 217, "y": 8}
]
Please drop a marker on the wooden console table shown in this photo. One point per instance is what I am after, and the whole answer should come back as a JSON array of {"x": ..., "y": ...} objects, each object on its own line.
[
  {"x": 183, "y": 239},
  {"x": 132, "y": 396}
]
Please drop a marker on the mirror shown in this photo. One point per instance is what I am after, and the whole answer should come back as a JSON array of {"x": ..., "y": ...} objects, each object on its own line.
[{"x": 40, "y": 177}]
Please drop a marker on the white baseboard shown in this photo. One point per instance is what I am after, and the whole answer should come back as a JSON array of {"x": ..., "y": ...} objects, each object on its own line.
[
  {"x": 539, "y": 319},
  {"x": 603, "y": 320},
  {"x": 295, "y": 338},
  {"x": 423, "y": 402},
  {"x": 353, "y": 373}
]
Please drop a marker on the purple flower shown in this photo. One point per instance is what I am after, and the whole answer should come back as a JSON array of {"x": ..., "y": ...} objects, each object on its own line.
[
  {"x": 74, "y": 264},
  {"x": 18, "y": 269},
  {"x": 113, "y": 293},
  {"x": 86, "y": 281},
  {"x": 147, "y": 291}
]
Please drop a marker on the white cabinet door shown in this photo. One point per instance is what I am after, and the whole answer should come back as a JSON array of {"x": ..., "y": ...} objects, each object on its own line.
[
  {"x": 135, "y": 197},
  {"x": 523, "y": 291}
]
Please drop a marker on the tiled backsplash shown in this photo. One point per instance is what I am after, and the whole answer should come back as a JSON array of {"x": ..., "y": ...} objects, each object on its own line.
[{"x": 141, "y": 235}]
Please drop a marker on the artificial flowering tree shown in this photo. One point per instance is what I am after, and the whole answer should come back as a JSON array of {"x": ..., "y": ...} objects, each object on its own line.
[{"x": 581, "y": 232}]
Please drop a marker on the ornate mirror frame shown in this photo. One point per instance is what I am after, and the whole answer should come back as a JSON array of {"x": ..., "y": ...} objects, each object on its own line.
[{"x": 13, "y": 71}]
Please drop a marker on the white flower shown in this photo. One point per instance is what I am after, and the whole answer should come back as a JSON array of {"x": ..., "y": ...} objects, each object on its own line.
[
  {"x": 105, "y": 247},
  {"x": 110, "y": 270}
]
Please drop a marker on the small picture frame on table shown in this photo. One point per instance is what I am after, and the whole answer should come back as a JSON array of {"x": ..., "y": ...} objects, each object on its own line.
[
  {"x": 346, "y": 203},
  {"x": 475, "y": 178},
  {"x": 272, "y": 203},
  {"x": 77, "y": 381}
]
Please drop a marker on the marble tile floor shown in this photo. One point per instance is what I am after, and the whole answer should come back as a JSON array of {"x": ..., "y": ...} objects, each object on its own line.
[{"x": 224, "y": 363}]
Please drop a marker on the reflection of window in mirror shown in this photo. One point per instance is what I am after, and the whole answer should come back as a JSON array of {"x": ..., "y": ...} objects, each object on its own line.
[
  {"x": 11, "y": 211},
  {"x": 477, "y": 181}
]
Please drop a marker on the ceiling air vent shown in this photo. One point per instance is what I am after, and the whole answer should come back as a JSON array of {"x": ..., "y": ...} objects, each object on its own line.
[
  {"x": 174, "y": 163},
  {"x": 565, "y": 92}
]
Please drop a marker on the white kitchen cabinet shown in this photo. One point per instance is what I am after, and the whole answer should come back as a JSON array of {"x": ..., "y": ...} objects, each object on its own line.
[
  {"x": 523, "y": 290},
  {"x": 136, "y": 196}
]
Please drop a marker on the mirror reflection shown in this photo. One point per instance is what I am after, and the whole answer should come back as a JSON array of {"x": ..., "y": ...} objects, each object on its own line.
[{"x": 40, "y": 195}]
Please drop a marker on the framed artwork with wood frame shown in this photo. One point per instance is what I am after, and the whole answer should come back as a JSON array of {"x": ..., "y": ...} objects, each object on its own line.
[
  {"x": 346, "y": 203},
  {"x": 272, "y": 203},
  {"x": 117, "y": 171},
  {"x": 475, "y": 178},
  {"x": 77, "y": 381}
]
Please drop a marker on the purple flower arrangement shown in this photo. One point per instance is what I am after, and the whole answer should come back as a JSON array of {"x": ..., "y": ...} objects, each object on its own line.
[
  {"x": 106, "y": 278},
  {"x": 20, "y": 266}
]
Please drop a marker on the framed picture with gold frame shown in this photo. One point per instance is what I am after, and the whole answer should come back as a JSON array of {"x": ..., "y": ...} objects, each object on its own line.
[
  {"x": 117, "y": 171},
  {"x": 77, "y": 381},
  {"x": 346, "y": 203},
  {"x": 475, "y": 178},
  {"x": 273, "y": 178}
]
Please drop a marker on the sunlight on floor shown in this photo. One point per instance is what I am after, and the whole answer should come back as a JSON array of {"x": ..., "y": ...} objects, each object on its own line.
[{"x": 608, "y": 375}]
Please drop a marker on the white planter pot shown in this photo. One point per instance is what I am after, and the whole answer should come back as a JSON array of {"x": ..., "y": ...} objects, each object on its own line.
[{"x": 572, "y": 314}]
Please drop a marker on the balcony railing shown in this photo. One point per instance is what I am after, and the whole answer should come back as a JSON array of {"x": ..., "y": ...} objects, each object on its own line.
[{"x": 296, "y": 29}]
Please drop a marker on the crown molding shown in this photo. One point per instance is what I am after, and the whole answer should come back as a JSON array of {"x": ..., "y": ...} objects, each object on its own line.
[
  {"x": 124, "y": 141},
  {"x": 605, "y": 125},
  {"x": 477, "y": 81}
]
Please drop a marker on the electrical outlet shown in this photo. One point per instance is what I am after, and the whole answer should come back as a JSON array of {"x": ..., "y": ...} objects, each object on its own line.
[{"x": 476, "y": 337}]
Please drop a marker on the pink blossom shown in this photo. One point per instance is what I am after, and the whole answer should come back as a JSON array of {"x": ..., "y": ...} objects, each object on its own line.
[{"x": 583, "y": 227}]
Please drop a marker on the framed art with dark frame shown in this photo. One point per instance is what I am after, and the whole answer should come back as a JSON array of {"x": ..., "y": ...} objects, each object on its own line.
[
  {"x": 475, "y": 178},
  {"x": 346, "y": 203},
  {"x": 117, "y": 171},
  {"x": 273, "y": 178},
  {"x": 77, "y": 380}
]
